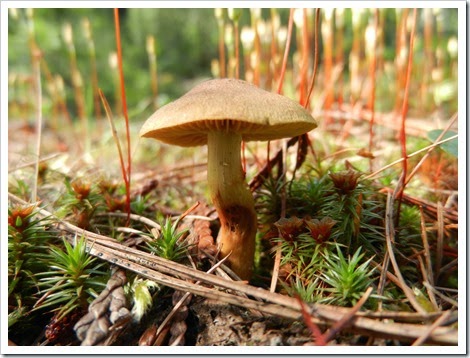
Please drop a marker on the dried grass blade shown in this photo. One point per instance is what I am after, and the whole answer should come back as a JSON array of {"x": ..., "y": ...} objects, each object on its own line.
[
  {"x": 389, "y": 234},
  {"x": 439, "y": 138},
  {"x": 439, "y": 242},
  {"x": 425, "y": 274},
  {"x": 427, "y": 251},
  {"x": 429, "y": 208},
  {"x": 339, "y": 325},
  {"x": 379, "y": 328},
  {"x": 440, "y": 295},
  {"x": 277, "y": 263},
  {"x": 398, "y": 161},
  {"x": 110, "y": 117},
  {"x": 383, "y": 276},
  {"x": 431, "y": 328},
  {"x": 37, "y": 76},
  {"x": 135, "y": 217}
]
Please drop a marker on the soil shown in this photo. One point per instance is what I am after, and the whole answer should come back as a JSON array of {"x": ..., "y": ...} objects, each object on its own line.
[
  {"x": 219, "y": 324},
  {"x": 212, "y": 323}
]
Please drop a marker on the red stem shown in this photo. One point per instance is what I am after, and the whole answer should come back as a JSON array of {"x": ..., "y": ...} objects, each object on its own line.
[
  {"x": 372, "y": 70},
  {"x": 328, "y": 67},
  {"x": 404, "y": 109},
  {"x": 237, "y": 76},
  {"x": 398, "y": 193},
  {"x": 317, "y": 335},
  {"x": 315, "y": 60},
  {"x": 237, "y": 51},
  {"x": 127, "y": 179},
  {"x": 273, "y": 51},
  {"x": 286, "y": 50},
  {"x": 222, "y": 52},
  {"x": 304, "y": 62},
  {"x": 284, "y": 63}
]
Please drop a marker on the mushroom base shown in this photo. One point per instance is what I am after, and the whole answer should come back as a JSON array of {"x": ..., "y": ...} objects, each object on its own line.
[
  {"x": 237, "y": 239},
  {"x": 233, "y": 201}
]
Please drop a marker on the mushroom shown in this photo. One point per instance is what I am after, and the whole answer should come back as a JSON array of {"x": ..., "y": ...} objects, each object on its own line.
[{"x": 221, "y": 113}]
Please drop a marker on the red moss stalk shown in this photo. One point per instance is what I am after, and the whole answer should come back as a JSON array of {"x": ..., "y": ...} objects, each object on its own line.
[{"x": 127, "y": 180}]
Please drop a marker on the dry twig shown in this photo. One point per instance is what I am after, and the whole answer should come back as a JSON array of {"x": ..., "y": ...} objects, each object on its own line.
[{"x": 389, "y": 235}]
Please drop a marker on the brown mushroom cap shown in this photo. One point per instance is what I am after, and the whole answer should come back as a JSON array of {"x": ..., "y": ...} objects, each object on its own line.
[{"x": 229, "y": 105}]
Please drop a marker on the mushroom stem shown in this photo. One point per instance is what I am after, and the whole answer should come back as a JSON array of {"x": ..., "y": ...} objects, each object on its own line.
[{"x": 233, "y": 201}]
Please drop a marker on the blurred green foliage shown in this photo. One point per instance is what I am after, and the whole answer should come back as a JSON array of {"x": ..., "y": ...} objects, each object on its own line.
[{"x": 186, "y": 43}]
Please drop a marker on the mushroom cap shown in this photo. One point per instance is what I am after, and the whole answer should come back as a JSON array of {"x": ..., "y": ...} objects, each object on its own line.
[{"x": 227, "y": 105}]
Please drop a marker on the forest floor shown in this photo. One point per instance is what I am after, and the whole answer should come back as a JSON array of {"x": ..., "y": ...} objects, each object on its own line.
[{"x": 172, "y": 181}]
